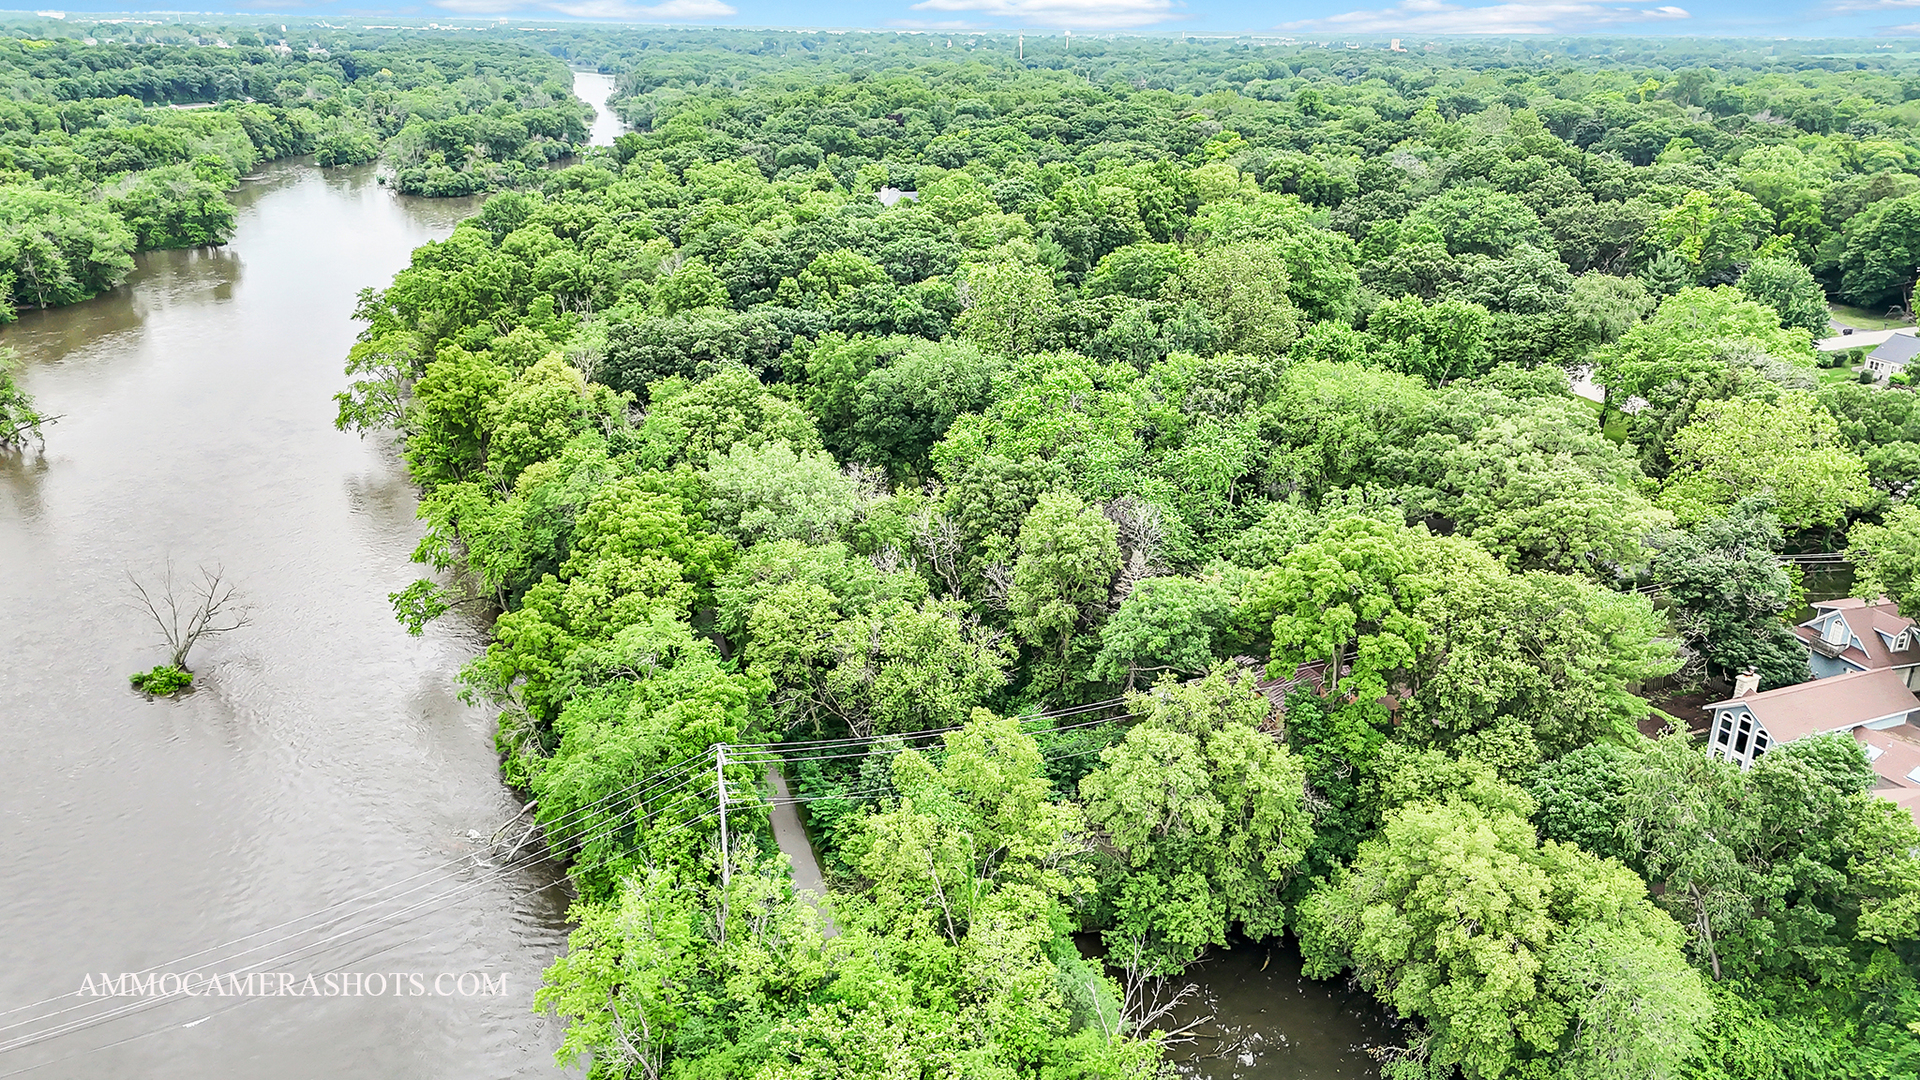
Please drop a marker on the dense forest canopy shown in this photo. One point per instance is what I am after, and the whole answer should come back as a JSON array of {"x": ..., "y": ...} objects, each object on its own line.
[
  {"x": 108, "y": 147},
  {"x": 1163, "y": 368}
]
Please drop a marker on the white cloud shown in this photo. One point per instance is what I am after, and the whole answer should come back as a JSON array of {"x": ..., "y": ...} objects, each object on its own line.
[
  {"x": 1071, "y": 14},
  {"x": 666, "y": 11},
  {"x": 1850, "y": 7},
  {"x": 1512, "y": 17}
]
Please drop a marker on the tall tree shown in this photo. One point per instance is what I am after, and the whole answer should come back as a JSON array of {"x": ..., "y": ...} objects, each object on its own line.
[
  {"x": 1731, "y": 595},
  {"x": 1207, "y": 814}
]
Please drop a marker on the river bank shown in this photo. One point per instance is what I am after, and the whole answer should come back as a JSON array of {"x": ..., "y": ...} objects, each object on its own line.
[{"x": 325, "y": 753}]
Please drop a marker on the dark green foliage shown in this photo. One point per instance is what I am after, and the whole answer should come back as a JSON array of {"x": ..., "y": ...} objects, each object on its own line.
[
  {"x": 1581, "y": 797},
  {"x": 176, "y": 206},
  {"x": 1734, "y": 595}
]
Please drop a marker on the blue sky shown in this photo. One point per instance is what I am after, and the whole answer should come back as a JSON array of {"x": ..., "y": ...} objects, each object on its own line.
[{"x": 1316, "y": 19}]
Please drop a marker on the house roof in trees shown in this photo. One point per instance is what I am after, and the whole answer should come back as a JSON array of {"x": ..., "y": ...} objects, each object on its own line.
[
  {"x": 1907, "y": 799},
  {"x": 1872, "y": 625},
  {"x": 1897, "y": 350},
  {"x": 1895, "y": 757},
  {"x": 1894, "y": 754},
  {"x": 1840, "y": 703}
]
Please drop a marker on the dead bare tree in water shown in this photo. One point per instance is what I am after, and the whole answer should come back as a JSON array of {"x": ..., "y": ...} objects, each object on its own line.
[
  {"x": 186, "y": 612},
  {"x": 1148, "y": 1001}
]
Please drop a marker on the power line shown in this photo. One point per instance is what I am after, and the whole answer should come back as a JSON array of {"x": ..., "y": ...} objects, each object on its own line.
[
  {"x": 853, "y": 740},
  {"x": 685, "y": 771}
]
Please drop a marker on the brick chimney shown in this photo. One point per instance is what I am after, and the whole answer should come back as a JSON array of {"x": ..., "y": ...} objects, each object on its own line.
[{"x": 1747, "y": 682}]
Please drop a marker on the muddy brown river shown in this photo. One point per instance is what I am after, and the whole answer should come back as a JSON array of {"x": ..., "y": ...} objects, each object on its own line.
[{"x": 324, "y": 754}]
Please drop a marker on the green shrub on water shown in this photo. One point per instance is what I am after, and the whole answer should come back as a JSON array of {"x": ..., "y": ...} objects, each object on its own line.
[{"x": 163, "y": 680}]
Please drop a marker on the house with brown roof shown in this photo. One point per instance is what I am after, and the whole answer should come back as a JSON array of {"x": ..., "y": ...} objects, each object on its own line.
[
  {"x": 1874, "y": 706},
  {"x": 1851, "y": 634},
  {"x": 1747, "y": 724}
]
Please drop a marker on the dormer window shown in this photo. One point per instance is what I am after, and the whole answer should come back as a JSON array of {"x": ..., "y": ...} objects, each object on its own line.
[{"x": 1837, "y": 631}]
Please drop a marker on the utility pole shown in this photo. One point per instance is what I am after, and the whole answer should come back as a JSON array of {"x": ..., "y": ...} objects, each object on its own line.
[{"x": 720, "y": 784}]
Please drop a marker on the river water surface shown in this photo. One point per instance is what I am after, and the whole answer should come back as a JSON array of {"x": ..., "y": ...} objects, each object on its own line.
[{"x": 324, "y": 753}]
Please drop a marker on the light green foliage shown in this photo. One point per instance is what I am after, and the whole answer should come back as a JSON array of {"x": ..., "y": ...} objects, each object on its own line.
[
  {"x": 1884, "y": 428},
  {"x": 1783, "y": 870},
  {"x": 377, "y": 400},
  {"x": 692, "y": 285},
  {"x": 836, "y": 275},
  {"x": 1555, "y": 660},
  {"x": 1081, "y": 415},
  {"x": 1886, "y": 557},
  {"x": 1713, "y": 230},
  {"x": 1351, "y": 597},
  {"x": 1010, "y": 309},
  {"x": 1785, "y": 286},
  {"x": 690, "y": 422},
  {"x": 1440, "y": 343},
  {"x": 446, "y": 420},
  {"x": 1138, "y": 270},
  {"x": 636, "y": 554},
  {"x": 1528, "y": 477},
  {"x": 648, "y": 697},
  {"x": 1165, "y": 624},
  {"x": 1188, "y": 352},
  {"x": 1702, "y": 344},
  {"x": 1515, "y": 954},
  {"x": 163, "y": 681},
  {"x": 1320, "y": 262},
  {"x": 19, "y": 419},
  {"x": 1667, "y": 273},
  {"x": 1480, "y": 221},
  {"x": 176, "y": 206},
  {"x": 539, "y": 412},
  {"x": 906, "y": 668},
  {"x": 1330, "y": 423},
  {"x": 1207, "y": 812},
  {"x": 769, "y": 492},
  {"x": 1068, "y": 554},
  {"x": 954, "y": 959},
  {"x": 1240, "y": 293},
  {"x": 1603, "y": 307},
  {"x": 58, "y": 249},
  {"x": 1789, "y": 451}
]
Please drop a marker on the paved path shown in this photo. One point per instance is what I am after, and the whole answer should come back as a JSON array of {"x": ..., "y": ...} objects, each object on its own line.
[
  {"x": 1857, "y": 339},
  {"x": 808, "y": 883}
]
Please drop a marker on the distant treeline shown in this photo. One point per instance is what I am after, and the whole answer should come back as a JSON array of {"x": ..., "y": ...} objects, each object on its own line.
[{"x": 96, "y": 162}]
